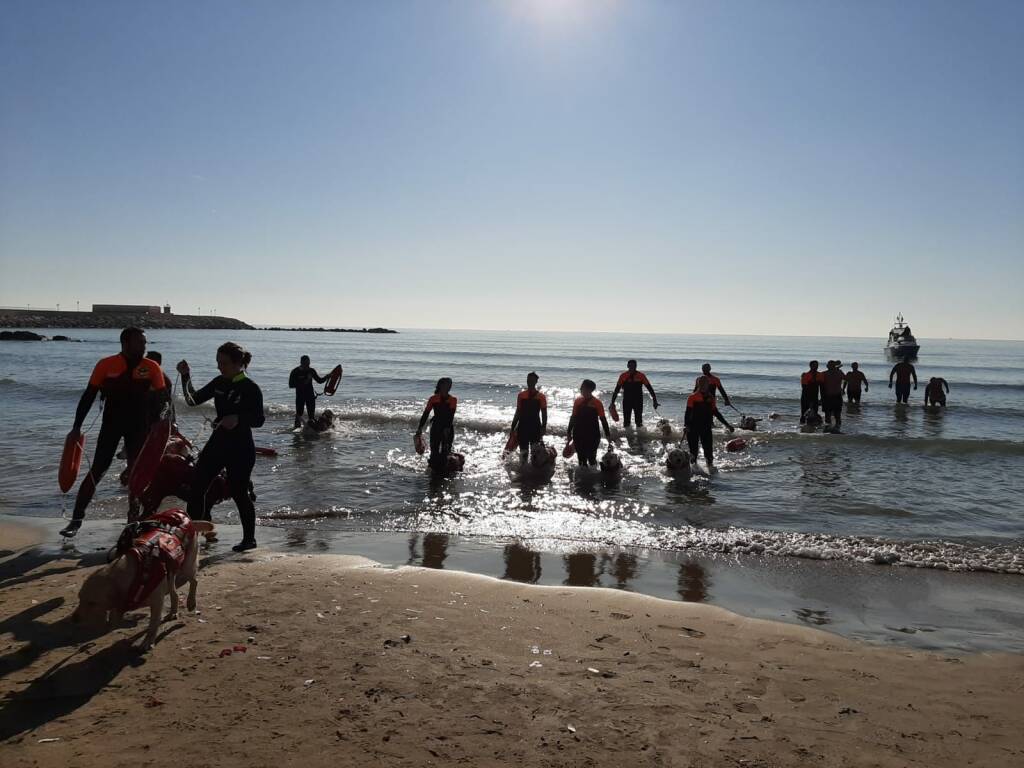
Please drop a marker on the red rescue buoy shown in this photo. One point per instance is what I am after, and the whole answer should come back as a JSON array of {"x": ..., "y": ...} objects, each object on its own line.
[
  {"x": 736, "y": 445},
  {"x": 146, "y": 463},
  {"x": 70, "y": 461},
  {"x": 419, "y": 443},
  {"x": 333, "y": 380},
  {"x": 614, "y": 412},
  {"x": 264, "y": 451},
  {"x": 513, "y": 442},
  {"x": 570, "y": 450}
]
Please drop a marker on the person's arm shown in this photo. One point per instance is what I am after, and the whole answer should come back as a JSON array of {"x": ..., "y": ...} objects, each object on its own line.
[
  {"x": 865, "y": 380},
  {"x": 650, "y": 389},
  {"x": 842, "y": 389},
  {"x": 252, "y": 414},
  {"x": 515, "y": 419},
  {"x": 544, "y": 417},
  {"x": 721, "y": 418},
  {"x": 686, "y": 419},
  {"x": 84, "y": 404},
  {"x": 891, "y": 374},
  {"x": 192, "y": 397},
  {"x": 913, "y": 372},
  {"x": 725, "y": 396},
  {"x": 292, "y": 377},
  {"x": 425, "y": 416},
  {"x": 615, "y": 392},
  {"x": 572, "y": 425},
  {"x": 317, "y": 377},
  {"x": 607, "y": 432},
  {"x": 945, "y": 384}
]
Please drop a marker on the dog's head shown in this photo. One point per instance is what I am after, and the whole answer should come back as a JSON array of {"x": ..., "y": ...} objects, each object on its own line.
[
  {"x": 456, "y": 461},
  {"x": 98, "y": 604},
  {"x": 611, "y": 462},
  {"x": 677, "y": 460},
  {"x": 748, "y": 422},
  {"x": 665, "y": 427},
  {"x": 542, "y": 456}
]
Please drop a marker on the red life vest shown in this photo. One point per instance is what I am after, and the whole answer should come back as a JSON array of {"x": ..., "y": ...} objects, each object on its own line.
[{"x": 157, "y": 544}]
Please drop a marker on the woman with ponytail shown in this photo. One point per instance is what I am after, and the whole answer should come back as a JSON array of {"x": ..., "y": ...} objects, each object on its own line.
[{"x": 239, "y": 404}]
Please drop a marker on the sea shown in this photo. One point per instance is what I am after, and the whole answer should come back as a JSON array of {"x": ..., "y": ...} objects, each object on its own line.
[{"x": 900, "y": 489}]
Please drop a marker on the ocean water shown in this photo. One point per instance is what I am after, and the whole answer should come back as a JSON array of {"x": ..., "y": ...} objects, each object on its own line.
[{"x": 900, "y": 487}]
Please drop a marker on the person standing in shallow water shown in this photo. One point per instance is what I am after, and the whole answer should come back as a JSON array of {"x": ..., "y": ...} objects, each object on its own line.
[
  {"x": 531, "y": 418},
  {"x": 832, "y": 393},
  {"x": 715, "y": 383},
  {"x": 586, "y": 423},
  {"x": 854, "y": 379},
  {"x": 632, "y": 383},
  {"x": 239, "y": 404},
  {"x": 810, "y": 389},
  {"x": 301, "y": 380},
  {"x": 903, "y": 371},
  {"x": 442, "y": 405}
]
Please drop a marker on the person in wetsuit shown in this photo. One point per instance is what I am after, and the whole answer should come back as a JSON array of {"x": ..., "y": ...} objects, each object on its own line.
[
  {"x": 903, "y": 371},
  {"x": 133, "y": 390},
  {"x": 832, "y": 393},
  {"x": 442, "y": 427},
  {"x": 632, "y": 383},
  {"x": 531, "y": 419},
  {"x": 854, "y": 379},
  {"x": 301, "y": 380},
  {"x": 935, "y": 391},
  {"x": 586, "y": 423},
  {"x": 810, "y": 389},
  {"x": 713, "y": 381},
  {"x": 701, "y": 411},
  {"x": 239, "y": 404}
]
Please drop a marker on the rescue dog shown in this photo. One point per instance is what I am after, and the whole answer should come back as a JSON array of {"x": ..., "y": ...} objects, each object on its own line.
[
  {"x": 678, "y": 463},
  {"x": 812, "y": 420},
  {"x": 665, "y": 428},
  {"x": 155, "y": 556},
  {"x": 749, "y": 423},
  {"x": 540, "y": 465},
  {"x": 610, "y": 463}
]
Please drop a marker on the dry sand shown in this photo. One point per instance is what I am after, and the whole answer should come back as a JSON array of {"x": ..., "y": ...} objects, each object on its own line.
[{"x": 492, "y": 673}]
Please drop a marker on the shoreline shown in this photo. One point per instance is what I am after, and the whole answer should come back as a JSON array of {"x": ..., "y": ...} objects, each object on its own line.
[
  {"x": 879, "y": 605},
  {"x": 414, "y": 666}
]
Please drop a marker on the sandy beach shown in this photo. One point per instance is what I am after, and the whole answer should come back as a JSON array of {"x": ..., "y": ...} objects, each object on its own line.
[{"x": 344, "y": 660}]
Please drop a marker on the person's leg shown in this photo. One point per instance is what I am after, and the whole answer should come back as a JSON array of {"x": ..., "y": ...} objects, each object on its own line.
[
  {"x": 209, "y": 464},
  {"x": 707, "y": 443},
  {"x": 693, "y": 440},
  {"x": 837, "y": 407},
  {"x": 106, "y": 447},
  {"x": 310, "y": 406},
  {"x": 299, "y": 405},
  {"x": 239, "y": 468},
  {"x": 638, "y": 413},
  {"x": 805, "y": 404},
  {"x": 627, "y": 412}
]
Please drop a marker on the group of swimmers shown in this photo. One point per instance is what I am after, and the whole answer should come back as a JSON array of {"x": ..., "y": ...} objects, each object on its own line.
[
  {"x": 135, "y": 392},
  {"x": 827, "y": 388}
]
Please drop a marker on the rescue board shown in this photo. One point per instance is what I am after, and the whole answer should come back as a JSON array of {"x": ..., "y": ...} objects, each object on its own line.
[
  {"x": 569, "y": 451},
  {"x": 146, "y": 463},
  {"x": 419, "y": 444},
  {"x": 333, "y": 380},
  {"x": 513, "y": 442},
  {"x": 614, "y": 412},
  {"x": 736, "y": 445},
  {"x": 70, "y": 462},
  {"x": 264, "y": 451}
]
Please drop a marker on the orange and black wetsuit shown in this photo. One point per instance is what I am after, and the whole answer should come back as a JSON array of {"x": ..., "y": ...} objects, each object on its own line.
[
  {"x": 585, "y": 428},
  {"x": 442, "y": 427},
  {"x": 810, "y": 391},
  {"x": 701, "y": 412},
  {"x": 132, "y": 391},
  {"x": 231, "y": 449},
  {"x": 632, "y": 384},
  {"x": 531, "y": 417}
]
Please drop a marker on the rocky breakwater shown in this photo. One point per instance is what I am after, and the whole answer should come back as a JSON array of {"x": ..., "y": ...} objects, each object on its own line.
[{"x": 31, "y": 318}]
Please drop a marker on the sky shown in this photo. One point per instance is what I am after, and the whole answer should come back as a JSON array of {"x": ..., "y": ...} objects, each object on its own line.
[{"x": 800, "y": 167}]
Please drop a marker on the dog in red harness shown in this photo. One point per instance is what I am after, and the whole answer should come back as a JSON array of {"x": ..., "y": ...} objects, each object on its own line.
[{"x": 155, "y": 556}]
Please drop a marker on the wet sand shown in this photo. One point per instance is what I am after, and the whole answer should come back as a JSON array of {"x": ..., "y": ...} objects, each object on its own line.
[{"x": 492, "y": 672}]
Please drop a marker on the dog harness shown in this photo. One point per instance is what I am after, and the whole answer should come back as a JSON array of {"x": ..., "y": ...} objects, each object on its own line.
[{"x": 157, "y": 543}]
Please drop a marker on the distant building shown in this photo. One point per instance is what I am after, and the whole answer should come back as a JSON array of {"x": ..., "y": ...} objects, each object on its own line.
[
  {"x": 124, "y": 309},
  {"x": 167, "y": 309}
]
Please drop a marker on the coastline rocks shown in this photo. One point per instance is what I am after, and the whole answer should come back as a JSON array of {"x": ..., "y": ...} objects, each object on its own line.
[{"x": 20, "y": 336}]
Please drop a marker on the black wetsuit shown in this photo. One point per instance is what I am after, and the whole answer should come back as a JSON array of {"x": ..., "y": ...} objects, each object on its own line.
[
  {"x": 442, "y": 428},
  {"x": 301, "y": 380},
  {"x": 586, "y": 429},
  {"x": 530, "y": 428},
  {"x": 810, "y": 390},
  {"x": 232, "y": 449},
  {"x": 698, "y": 420}
]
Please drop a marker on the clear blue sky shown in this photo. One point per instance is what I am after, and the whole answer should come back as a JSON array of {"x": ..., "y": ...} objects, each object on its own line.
[{"x": 804, "y": 167}]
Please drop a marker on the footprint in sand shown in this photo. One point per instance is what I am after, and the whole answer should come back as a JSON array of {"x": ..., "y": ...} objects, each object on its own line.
[{"x": 811, "y": 616}]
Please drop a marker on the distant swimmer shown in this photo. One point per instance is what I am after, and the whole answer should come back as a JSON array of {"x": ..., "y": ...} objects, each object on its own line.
[
  {"x": 698, "y": 420},
  {"x": 531, "y": 419},
  {"x": 133, "y": 390},
  {"x": 301, "y": 380},
  {"x": 832, "y": 393},
  {"x": 632, "y": 383},
  {"x": 239, "y": 404},
  {"x": 441, "y": 405},
  {"x": 935, "y": 391},
  {"x": 810, "y": 390},
  {"x": 586, "y": 423},
  {"x": 713, "y": 381},
  {"x": 903, "y": 372},
  {"x": 854, "y": 380}
]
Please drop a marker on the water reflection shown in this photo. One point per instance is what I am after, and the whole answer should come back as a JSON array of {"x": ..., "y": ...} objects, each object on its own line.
[
  {"x": 623, "y": 567},
  {"x": 693, "y": 582},
  {"x": 581, "y": 569},
  {"x": 521, "y": 564},
  {"x": 435, "y": 550}
]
